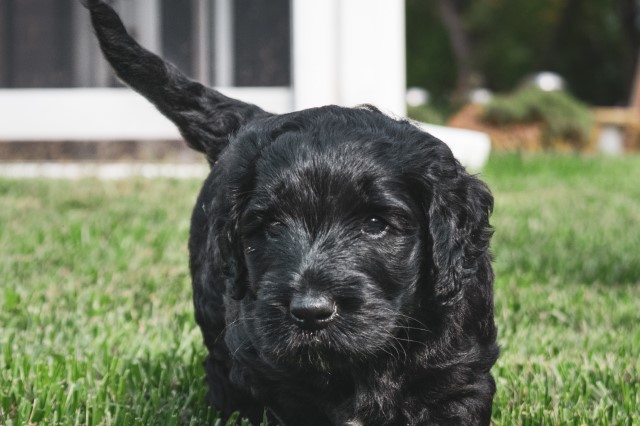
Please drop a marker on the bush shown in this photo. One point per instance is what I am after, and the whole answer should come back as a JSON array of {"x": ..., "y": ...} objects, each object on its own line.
[
  {"x": 426, "y": 114},
  {"x": 565, "y": 119}
]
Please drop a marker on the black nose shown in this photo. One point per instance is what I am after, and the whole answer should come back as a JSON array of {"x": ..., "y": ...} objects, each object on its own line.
[{"x": 312, "y": 312}]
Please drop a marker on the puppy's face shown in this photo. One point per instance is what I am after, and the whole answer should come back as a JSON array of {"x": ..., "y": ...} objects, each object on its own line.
[{"x": 332, "y": 245}]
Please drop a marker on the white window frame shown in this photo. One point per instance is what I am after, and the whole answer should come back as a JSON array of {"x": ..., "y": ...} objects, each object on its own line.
[{"x": 344, "y": 52}]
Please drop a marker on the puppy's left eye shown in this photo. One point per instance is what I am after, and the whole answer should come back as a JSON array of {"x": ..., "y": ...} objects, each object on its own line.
[{"x": 374, "y": 226}]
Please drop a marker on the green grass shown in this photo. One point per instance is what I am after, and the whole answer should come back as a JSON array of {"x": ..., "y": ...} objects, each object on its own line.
[
  {"x": 96, "y": 321},
  {"x": 567, "y": 250}
]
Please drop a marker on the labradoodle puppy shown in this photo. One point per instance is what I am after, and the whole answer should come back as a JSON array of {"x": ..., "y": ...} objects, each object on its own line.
[{"x": 340, "y": 258}]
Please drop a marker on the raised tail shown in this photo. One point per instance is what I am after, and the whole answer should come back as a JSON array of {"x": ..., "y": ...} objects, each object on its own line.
[{"x": 205, "y": 117}]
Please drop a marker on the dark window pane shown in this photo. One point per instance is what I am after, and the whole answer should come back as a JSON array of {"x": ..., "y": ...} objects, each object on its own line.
[
  {"x": 5, "y": 42},
  {"x": 261, "y": 43},
  {"x": 38, "y": 48},
  {"x": 177, "y": 34},
  {"x": 36, "y": 41}
]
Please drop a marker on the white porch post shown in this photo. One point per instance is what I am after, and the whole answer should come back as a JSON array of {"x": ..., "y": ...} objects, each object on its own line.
[
  {"x": 223, "y": 30},
  {"x": 349, "y": 52},
  {"x": 372, "y": 54},
  {"x": 315, "y": 38}
]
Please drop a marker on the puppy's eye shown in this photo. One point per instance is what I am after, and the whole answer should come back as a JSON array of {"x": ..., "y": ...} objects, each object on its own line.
[
  {"x": 374, "y": 226},
  {"x": 274, "y": 228}
]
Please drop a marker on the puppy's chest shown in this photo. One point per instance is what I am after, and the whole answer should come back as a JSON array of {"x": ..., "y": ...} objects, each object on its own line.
[{"x": 341, "y": 399}]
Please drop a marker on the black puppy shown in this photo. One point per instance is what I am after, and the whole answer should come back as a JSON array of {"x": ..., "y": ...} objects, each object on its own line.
[{"x": 339, "y": 258}]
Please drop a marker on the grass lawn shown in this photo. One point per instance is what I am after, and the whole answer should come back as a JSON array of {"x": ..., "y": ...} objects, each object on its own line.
[{"x": 96, "y": 322}]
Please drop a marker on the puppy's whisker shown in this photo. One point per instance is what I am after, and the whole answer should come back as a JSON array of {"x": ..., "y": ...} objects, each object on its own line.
[
  {"x": 408, "y": 327},
  {"x": 230, "y": 325},
  {"x": 411, "y": 341},
  {"x": 395, "y": 356},
  {"x": 397, "y": 347},
  {"x": 240, "y": 346},
  {"x": 410, "y": 319}
]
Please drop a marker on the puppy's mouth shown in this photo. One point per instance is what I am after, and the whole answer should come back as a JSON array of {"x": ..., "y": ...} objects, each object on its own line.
[
  {"x": 311, "y": 348},
  {"x": 312, "y": 338},
  {"x": 318, "y": 332},
  {"x": 305, "y": 334}
]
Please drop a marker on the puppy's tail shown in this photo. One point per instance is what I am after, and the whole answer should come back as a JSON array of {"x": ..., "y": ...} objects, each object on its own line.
[{"x": 204, "y": 116}]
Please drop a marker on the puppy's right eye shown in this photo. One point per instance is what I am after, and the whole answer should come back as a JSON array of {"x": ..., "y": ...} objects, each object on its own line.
[
  {"x": 274, "y": 229},
  {"x": 374, "y": 226}
]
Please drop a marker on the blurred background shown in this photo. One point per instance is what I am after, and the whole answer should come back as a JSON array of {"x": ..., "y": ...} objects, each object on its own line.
[
  {"x": 502, "y": 54},
  {"x": 549, "y": 74}
]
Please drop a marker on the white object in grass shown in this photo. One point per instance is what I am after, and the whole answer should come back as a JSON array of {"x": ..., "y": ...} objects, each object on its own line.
[{"x": 470, "y": 147}]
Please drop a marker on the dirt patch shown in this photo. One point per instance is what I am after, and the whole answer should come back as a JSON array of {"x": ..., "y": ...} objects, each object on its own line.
[{"x": 174, "y": 151}]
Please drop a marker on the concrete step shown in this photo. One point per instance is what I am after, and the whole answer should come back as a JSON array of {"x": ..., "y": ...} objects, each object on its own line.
[{"x": 171, "y": 151}]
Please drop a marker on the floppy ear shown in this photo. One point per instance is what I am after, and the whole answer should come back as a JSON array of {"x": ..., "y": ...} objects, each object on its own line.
[
  {"x": 205, "y": 117},
  {"x": 458, "y": 216},
  {"x": 232, "y": 259},
  {"x": 239, "y": 177}
]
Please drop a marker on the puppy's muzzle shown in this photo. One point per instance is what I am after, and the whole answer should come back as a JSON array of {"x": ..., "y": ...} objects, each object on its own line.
[{"x": 312, "y": 311}]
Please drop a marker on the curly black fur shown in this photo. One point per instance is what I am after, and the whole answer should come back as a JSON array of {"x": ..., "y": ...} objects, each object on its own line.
[{"x": 366, "y": 213}]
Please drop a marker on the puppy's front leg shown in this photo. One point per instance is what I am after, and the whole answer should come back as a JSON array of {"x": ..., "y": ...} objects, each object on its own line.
[{"x": 468, "y": 407}]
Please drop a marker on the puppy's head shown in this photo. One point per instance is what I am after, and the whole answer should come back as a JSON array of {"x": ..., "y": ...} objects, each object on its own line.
[
  {"x": 346, "y": 226},
  {"x": 336, "y": 228}
]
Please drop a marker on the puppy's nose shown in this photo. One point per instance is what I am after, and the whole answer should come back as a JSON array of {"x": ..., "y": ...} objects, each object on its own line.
[{"x": 312, "y": 312}]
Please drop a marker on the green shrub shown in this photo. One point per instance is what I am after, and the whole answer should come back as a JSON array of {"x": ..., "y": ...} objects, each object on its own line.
[
  {"x": 564, "y": 118},
  {"x": 427, "y": 114}
]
